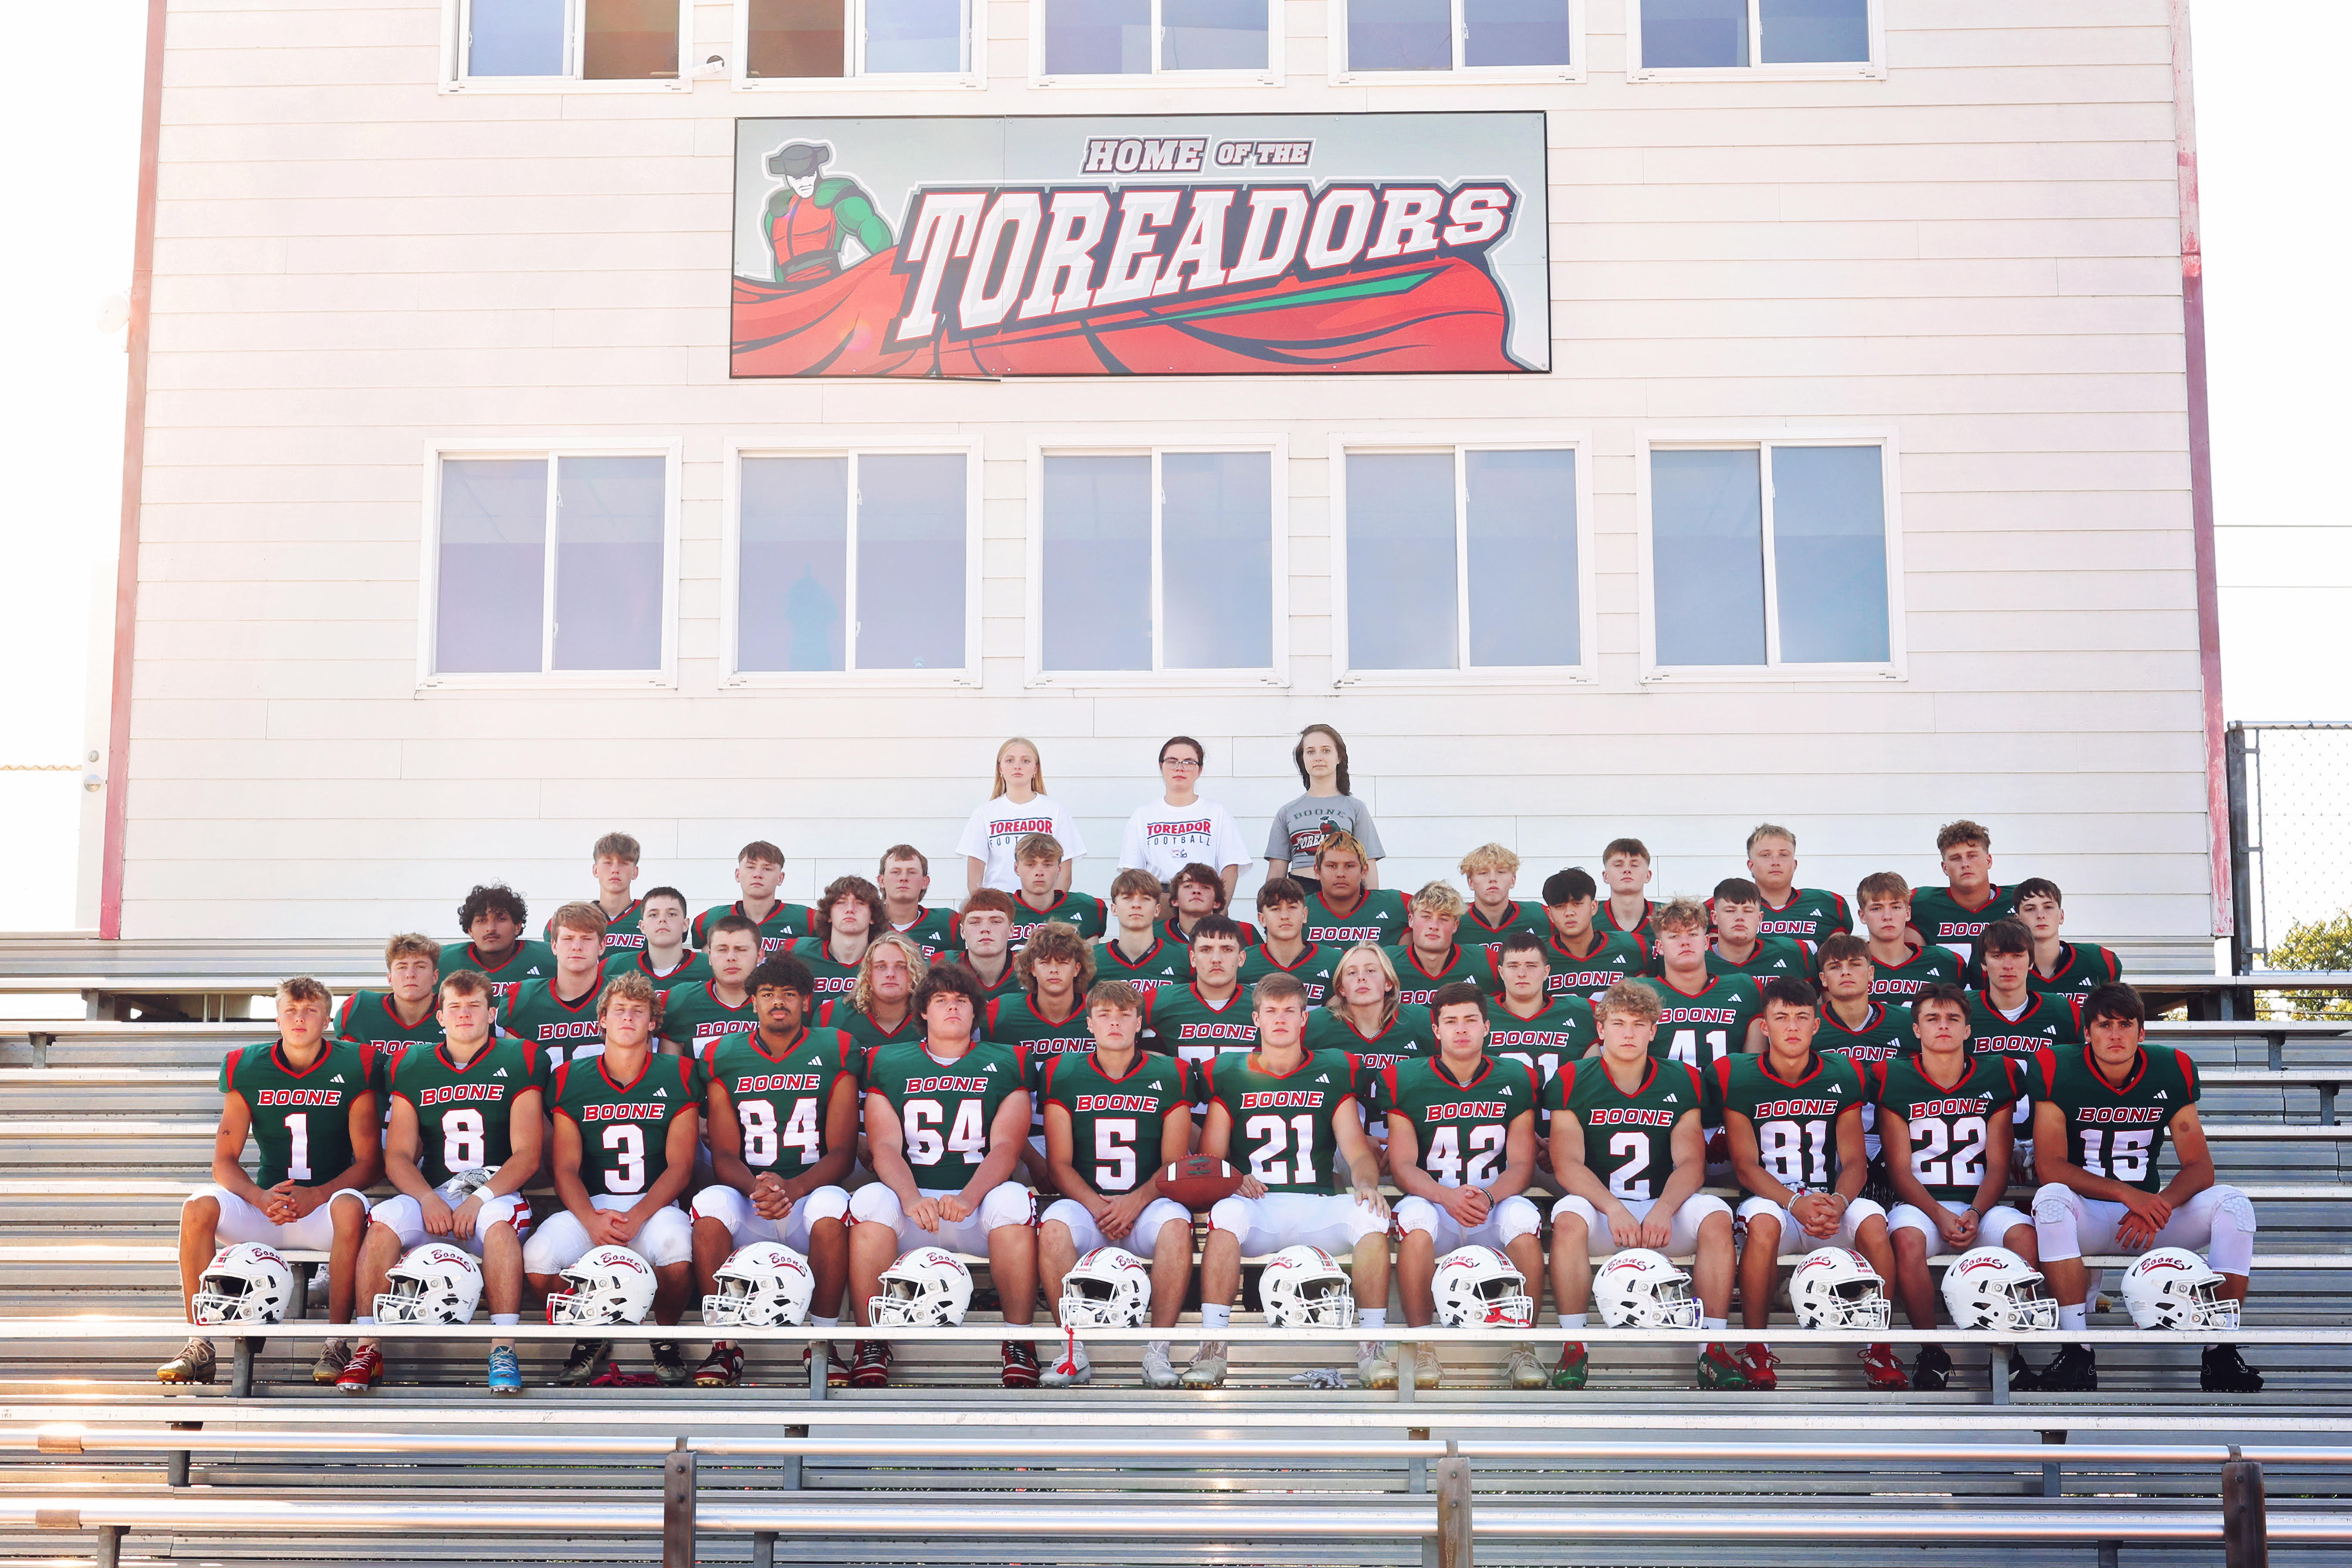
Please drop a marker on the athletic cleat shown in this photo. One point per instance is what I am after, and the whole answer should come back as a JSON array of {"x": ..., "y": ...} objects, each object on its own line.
[
  {"x": 2023, "y": 1377},
  {"x": 1882, "y": 1369},
  {"x": 2073, "y": 1370},
  {"x": 1720, "y": 1367},
  {"x": 722, "y": 1368},
  {"x": 506, "y": 1372},
  {"x": 588, "y": 1357},
  {"x": 615, "y": 1376},
  {"x": 1932, "y": 1371},
  {"x": 333, "y": 1356},
  {"x": 1523, "y": 1369},
  {"x": 1376, "y": 1364},
  {"x": 1157, "y": 1371},
  {"x": 1071, "y": 1366},
  {"x": 871, "y": 1369},
  {"x": 195, "y": 1363},
  {"x": 669, "y": 1362},
  {"x": 836, "y": 1372},
  {"x": 1020, "y": 1363},
  {"x": 2226, "y": 1372},
  {"x": 361, "y": 1373},
  {"x": 1208, "y": 1368},
  {"x": 1427, "y": 1372},
  {"x": 1575, "y": 1366},
  {"x": 1758, "y": 1364}
]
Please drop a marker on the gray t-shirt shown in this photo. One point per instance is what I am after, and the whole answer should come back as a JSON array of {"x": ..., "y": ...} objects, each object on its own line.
[{"x": 1298, "y": 828}]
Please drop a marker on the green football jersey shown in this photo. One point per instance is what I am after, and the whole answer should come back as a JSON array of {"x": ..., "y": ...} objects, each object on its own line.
[
  {"x": 834, "y": 978},
  {"x": 301, "y": 1120},
  {"x": 1629, "y": 1139},
  {"x": 557, "y": 1029},
  {"x": 1775, "y": 958},
  {"x": 526, "y": 960},
  {"x": 1008, "y": 984},
  {"x": 1519, "y": 914},
  {"x": 1283, "y": 1124},
  {"x": 945, "y": 1110},
  {"x": 1086, "y": 914},
  {"x": 1461, "y": 1129},
  {"x": 693, "y": 967},
  {"x": 933, "y": 931},
  {"x": 1416, "y": 983},
  {"x": 1810, "y": 915},
  {"x": 367, "y": 1020},
  {"x": 1795, "y": 1119},
  {"x": 2046, "y": 1021},
  {"x": 1311, "y": 969},
  {"x": 780, "y": 1097},
  {"x": 1642, "y": 932},
  {"x": 1950, "y": 1127},
  {"x": 624, "y": 1127},
  {"x": 1926, "y": 966},
  {"x": 1562, "y": 1032},
  {"x": 2082, "y": 968},
  {"x": 1021, "y": 1021},
  {"x": 1699, "y": 1029},
  {"x": 1162, "y": 963},
  {"x": 1378, "y": 918},
  {"x": 1171, "y": 931},
  {"x": 1886, "y": 1033},
  {"x": 836, "y": 1013},
  {"x": 1610, "y": 958},
  {"x": 1942, "y": 921},
  {"x": 1409, "y": 1035},
  {"x": 785, "y": 924},
  {"x": 1190, "y": 1027},
  {"x": 464, "y": 1115},
  {"x": 1116, "y": 1123},
  {"x": 621, "y": 931},
  {"x": 2114, "y": 1132},
  {"x": 693, "y": 1016}
]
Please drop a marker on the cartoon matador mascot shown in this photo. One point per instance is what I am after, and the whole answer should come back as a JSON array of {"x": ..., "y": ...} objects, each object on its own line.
[{"x": 809, "y": 219}]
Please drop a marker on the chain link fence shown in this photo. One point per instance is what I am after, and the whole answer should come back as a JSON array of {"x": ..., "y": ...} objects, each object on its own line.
[{"x": 2290, "y": 842}]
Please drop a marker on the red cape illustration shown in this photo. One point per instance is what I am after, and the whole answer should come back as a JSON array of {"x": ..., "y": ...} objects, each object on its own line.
[{"x": 1444, "y": 314}]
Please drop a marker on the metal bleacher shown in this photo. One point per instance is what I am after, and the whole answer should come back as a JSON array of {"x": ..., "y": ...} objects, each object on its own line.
[{"x": 106, "y": 1122}]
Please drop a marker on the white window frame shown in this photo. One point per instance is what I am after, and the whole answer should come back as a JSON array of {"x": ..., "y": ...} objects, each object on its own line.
[
  {"x": 854, "y": 44},
  {"x": 731, "y": 570},
  {"x": 456, "y": 22},
  {"x": 1758, "y": 438},
  {"x": 1871, "y": 69},
  {"x": 1157, "y": 79},
  {"x": 1093, "y": 445},
  {"x": 1465, "y": 674},
  {"x": 428, "y": 604},
  {"x": 1341, "y": 74}
]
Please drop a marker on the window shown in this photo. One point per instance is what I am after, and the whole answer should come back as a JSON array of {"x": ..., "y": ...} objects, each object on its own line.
[
  {"x": 1786, "y": 37},
  {"x": 801, "y": 41},
  {"x": 1160, "y": 562},
  {"x": 550, "y": 564},
  {"x": 854, "y": 562},
  {"x": 1409, "y": 39},
  {"x": 1772, "y": 555},
  {"x": 1150, "y": 38},
  {"x": 1464, "y": 558},
  {"x": 528, "y": 44}
]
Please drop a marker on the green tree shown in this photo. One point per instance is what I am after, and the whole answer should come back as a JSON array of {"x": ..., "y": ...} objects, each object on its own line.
[{"x": 2313, "y": 945}]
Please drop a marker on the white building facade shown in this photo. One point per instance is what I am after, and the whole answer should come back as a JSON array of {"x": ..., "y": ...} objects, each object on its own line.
[{"x": 1819, "y": 450}]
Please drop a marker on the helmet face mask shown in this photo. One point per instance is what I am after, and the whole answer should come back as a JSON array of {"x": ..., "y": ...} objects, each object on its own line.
[
  {"x": 1305, "y": 1288},
  {"x": 434, "y": 1283},
  {"x": 608, "y": 1285},
  {"x": 1993, "y": 1287},
  {"x": 1109, "y": 1288},
  {"x": 1479, "y": 1287},
  {"x": 1836, "y": 1288},
  {"x": 1639, "y": 1289},
  {"x": 2172, "y": 1287},
  {"x": 248, "y": 1283},
  {"x": 766, "y": 1285},
  {"x": 928, "y": 1287}
]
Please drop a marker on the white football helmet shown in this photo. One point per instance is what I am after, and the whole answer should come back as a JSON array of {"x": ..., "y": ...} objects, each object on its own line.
[
  {"x": 1993, "y": 1287},
  {"x": 248, "y": 1283},
  {"x": 1835, "y": 1287},
  {"x": 766, "y": 1285},
  {"x": 434, "y": 1283},
  {"x": 608, "y": 1285},
  {"x": 1478, "y": 1288},
  {"x": 2172, "y": 1287},
  {"x": 1305, "y": 1288},
  {"x": 929, "y": 1286},
  {"x": 1639, "y": 1289},
  {"x": 1109, "y": 1288}
]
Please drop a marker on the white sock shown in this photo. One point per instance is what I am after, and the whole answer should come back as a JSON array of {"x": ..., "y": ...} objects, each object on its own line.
[
  {"x": 1373, "y": 1317},
  {"x": 817, "y": 1323},
  {"x": 364, "y": 1322},
  {"x": 505, "y": 1319},
  {"x": 1159, "y": 1345},
  {"x": 2077, "y": 1316},
  {"x": 1215, "y": 1319},
  {"x": 1571, "y": 1319},
  {"x": 1715, "y": 1325}
]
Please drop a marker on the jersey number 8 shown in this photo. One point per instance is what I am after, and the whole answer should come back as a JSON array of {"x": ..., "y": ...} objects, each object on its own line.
[
  {"x": 464, "y": 1142},
  {"x": 764, "y": 1140}
]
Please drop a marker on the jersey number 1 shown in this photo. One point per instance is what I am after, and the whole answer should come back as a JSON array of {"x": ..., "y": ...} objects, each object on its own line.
[{"x": 1269, "y": 1136}]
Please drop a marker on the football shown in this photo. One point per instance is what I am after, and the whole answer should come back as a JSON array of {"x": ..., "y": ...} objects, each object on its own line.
[{"x": 1198, "y": 1181}]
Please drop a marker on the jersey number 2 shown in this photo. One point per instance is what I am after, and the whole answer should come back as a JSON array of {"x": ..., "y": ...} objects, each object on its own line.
[
  {"x": 1269, "y": 1136},
  {"x": 1444, "y": 1160}
]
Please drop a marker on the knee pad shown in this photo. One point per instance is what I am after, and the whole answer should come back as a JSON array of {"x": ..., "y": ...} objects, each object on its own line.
[
  {"x": 667, "y": 1237},
  {"x": 2055, "y": 1206},
  {"x": 218, "y": 1196},
  {"x": 724, "y": 1205},
  {"x": 1008, "y": 1203},
  {"x": 2237, "y": 1206},
  {"x": 1861, "y": 1212},
  {"x": 1573, "y": 1207},
  {"x": 2232, "y": 1250},
  {"x": 1515, "y": 1217},
  {"x": 1233, "y": 1215},
  {"x": 1416, "y": 1213},
  {"x": 826, "y": 1203},
  {"x": 875, "y": 1203},
  {"x": 1703, "y": 1206}
]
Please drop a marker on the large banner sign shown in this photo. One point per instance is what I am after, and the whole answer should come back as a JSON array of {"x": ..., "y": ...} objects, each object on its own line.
[{"x": 1161, "y": 245}]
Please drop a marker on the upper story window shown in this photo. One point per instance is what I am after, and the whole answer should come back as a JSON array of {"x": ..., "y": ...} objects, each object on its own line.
[
  {"x": 805, "y": 41},
  {"x": 1773, "y": 555},
  {"x": 539, "y": 44},
  {"x": 1410, "y": 40},
  {"x": 1676, "y": 39},
  {"x": 555, "y": 563},
  {"x": 1230, "y": 40}
]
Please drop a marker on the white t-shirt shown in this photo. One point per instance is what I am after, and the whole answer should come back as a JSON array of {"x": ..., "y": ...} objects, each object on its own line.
[
  {"x": 998, "y": 825},
  {"x": 1163, "y": 840}
]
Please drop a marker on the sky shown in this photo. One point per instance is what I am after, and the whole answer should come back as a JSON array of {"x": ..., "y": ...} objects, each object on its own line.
[{"x": 2278, "y": 318}]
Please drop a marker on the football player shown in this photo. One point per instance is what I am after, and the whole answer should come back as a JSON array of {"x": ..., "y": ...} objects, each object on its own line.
[
  {"x": 694, "y": 1014},
  {"x": 2101, "y": 1115},
  {"x": 1869, "y": 1030},
  {"x": 1707, "y": 1016},
  {"x": 1046, "y": 894},
  {"x": 2068, "y": 968},
  {"x": 1365, "y": 1020},
  {"x": 1194, "y": 893},
  {"x": 947, "y": 1123},
  {"x": 758, "y": 872},
  {"x": 1584, "y": 960},
  {"x": 625, "y": 1140},
  {"x": 904, "y": 876},
  {"x": 666, "y": 960},
  {"x": 1737, "y": 911},
  {"x": 1955, "y": 915},
  {"x": 1346, "y": 909},
  {"x": 1528, "y": 1023},
  {"x": 1628, "y": 1150},
  {"x": 1291, "y": 1116},
  {"x": 1430, "y": 957},
  {"x": 1626, "y": 866},
  {"x": 492, "y": 917},
  {"x": 880, "y": 1009},
  {"x": 1461, "y": 1144},
  {"x": 464, "y": 1136},
  {"x": 986, "y": 925},
  {"x": 1115, "y": 1117},
  {"x": 1045, "y": 1019},
  {"x": 1943, "y": 1116},
  {"x": 843, "y": 922},
  {"x": 1136, "y": 950},
  {"x": 557, "y": 1015},
  {"x": 1208, "y": 1014},
  {"x": 1901, "y": 968},
  {"x": 1491, "y": 872},
  {"x": 1794, "y": 1114},
  {"x": 2006, "y": 1018},
  {"x": 304, "y": 1100},
  {"x": 1807, "y": 915},
  {"x": 784, "y": 1109},
  {"x": 613, "y": 863},
  {"x": 1283, "y": 947},
  {"x": 385, "y": 1023}
]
